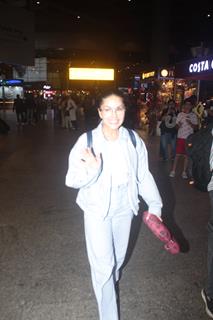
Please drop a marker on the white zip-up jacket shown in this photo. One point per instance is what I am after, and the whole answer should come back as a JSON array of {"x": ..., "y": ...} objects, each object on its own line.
[{"x": 95, "y": 184}]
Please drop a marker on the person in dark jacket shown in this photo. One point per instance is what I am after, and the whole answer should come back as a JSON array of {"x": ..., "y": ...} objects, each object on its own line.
[
  {"x": 207, "y": 291},
  {"x": 168, "y": 133},
  {"x": 18, "y": 107}
]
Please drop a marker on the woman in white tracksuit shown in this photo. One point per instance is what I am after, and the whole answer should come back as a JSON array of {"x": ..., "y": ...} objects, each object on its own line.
[{"x": 110, "y": 180}]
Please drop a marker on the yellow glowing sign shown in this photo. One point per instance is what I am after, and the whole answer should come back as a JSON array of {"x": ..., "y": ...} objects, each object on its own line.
[
  {"x": 146, "y": 75},
  {"x": 91, "y": 74}
]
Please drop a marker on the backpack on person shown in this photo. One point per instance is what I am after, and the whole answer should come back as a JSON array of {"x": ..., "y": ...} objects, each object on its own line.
[{"x": 198, "y": 147}]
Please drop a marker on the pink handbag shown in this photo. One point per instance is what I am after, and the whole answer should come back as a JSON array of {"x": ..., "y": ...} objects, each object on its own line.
[{"x": 161, "y": 232}]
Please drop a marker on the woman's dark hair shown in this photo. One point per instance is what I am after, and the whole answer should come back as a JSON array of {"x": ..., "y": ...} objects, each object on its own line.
[
  {"x": 191, "y": 99},
  {"x": 164, "y": 111},
  {"x": 108, "y": 92}
]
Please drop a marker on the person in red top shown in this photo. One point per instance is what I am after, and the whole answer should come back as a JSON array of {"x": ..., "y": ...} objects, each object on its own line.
[{"x": 186, "y": 123}]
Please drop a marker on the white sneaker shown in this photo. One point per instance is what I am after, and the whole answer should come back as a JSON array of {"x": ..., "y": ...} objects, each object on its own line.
[
  {"x": 172, "y": 174},
  {"x": 184, "y": 175}
]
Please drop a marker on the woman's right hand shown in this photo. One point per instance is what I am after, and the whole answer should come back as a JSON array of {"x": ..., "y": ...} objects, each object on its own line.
[{"x": 90, "y": 160}]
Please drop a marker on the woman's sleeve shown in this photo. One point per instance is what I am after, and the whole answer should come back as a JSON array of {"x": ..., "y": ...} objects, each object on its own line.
[
  {"x": 147, "y": 187},
  {"x": 78, "y": 175}
]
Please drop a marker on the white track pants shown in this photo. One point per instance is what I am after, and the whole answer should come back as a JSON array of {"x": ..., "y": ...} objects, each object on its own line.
[{"x": 107, "y": 240}]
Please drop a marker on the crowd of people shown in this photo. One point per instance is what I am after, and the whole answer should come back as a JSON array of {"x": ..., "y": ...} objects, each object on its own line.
[
  {"x": 30, "y": 109},
  {"x": 176, "y": 125},
  {"x": 72, "y": 111},
  {"x": 69, "y": 110}
]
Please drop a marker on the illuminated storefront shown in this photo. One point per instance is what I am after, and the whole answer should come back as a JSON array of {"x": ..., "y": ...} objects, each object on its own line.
[
  {"x": 166, "y": 83},
  {"x": 200, "y": 72},
  {"x": 159, "y": 85},
  {"x": 9, "y": 88}
]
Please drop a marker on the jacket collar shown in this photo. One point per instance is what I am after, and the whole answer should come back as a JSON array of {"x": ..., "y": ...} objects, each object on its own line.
[{"x": 123, "y": 132}]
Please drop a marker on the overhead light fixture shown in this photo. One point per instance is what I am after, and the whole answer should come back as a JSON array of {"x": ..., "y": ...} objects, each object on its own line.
[{"x": 164, "y": 73}]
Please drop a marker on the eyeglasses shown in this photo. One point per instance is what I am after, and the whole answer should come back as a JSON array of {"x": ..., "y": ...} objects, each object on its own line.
[{"x": 110, "y": 111}]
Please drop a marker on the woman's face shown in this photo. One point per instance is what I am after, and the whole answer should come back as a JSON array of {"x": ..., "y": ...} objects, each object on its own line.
[{"x": 112, "y": 112}]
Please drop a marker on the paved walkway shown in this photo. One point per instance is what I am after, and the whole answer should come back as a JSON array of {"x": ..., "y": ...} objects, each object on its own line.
[{"x": 44, "y": 272}]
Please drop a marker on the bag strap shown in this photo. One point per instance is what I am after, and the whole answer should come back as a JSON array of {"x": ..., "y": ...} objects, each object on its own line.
[
  {"x": 89, "y": 139},
  {"x": 132, "y": 136}
]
